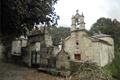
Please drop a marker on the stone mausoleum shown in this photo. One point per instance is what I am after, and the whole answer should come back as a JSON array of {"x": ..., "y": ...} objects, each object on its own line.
[{"x": 35, "y": 49}]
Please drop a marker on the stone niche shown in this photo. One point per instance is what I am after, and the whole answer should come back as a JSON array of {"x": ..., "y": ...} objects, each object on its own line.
[
  {"x": 63, "y": 60},
  {"x": 16, "y": 47}
]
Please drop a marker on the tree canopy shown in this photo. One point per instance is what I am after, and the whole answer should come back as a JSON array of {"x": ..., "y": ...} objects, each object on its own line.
[
  {"x": 107, "y": 26},
  {"x": 59, "y": 32},
  {"x": 17, "y": 15}
]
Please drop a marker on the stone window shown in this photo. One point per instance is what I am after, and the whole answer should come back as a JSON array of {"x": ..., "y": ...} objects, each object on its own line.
[
  {"x": 68, "y": 57},
  {"x": 77, "y": 56},
  {"x": 77, "y": 43}
]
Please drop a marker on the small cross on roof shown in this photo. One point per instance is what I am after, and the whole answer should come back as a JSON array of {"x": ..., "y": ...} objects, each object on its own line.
[{"x": 77, "y": 11}]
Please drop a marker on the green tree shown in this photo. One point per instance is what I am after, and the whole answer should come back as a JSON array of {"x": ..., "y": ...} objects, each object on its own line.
[
  {"x": 58, "y": 33},
  {"x": 17, "y": 15},
  {"x": 107, "y": 26}
]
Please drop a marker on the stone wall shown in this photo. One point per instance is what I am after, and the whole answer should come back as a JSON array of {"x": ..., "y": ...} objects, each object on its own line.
[
  {"x": 48, "y": 40},
  {"x": 63, "y": 60},
  {"x": 1, "y": 51},
  {"x": 100, "y": 51},
  {"x": 16, "y": 47}
]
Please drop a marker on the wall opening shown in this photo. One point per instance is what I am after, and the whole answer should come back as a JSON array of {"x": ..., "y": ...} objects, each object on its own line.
[
  {"x": 77, "y": 56},
  {"x": 77, "y": 43}
]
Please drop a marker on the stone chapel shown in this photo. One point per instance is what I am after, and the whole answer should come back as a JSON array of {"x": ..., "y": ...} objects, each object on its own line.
[{"x": 82, "y": 47}]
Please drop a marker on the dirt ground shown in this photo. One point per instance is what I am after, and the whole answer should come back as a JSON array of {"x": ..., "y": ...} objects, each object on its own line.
[{"x": 10, "y": 71}]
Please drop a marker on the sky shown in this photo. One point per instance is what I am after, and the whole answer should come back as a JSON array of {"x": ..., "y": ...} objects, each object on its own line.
[{"x": 92, "y": 10}]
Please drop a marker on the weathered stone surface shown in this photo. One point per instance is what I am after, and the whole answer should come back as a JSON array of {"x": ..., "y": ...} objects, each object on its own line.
[
  {"x": 16, "y": 47},
  {"x": 63, "y": 60},
  {"x": 1, "y": 51},
  {"x": 39, "y": 41},
  {"x": 82, "y": 47}
]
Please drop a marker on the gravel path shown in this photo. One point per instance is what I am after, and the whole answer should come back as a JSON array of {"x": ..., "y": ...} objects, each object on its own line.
[{"x": 10, "y": 71}]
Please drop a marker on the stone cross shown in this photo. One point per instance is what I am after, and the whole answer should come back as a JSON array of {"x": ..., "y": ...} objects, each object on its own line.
[{"x": 77, "y": 11}]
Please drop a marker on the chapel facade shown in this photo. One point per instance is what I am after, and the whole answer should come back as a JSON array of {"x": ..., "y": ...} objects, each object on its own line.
[{"x": 81, "y": 47}]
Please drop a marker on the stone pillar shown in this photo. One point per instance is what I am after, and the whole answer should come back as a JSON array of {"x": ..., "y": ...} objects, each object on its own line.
[
  {"x": 1, "y": 51},
  {"x": 48, "y": 38},
  {"x": 82, "y": 23},
  {"x": 29, "y": 55},
  {"x": 73, "y": 25}
]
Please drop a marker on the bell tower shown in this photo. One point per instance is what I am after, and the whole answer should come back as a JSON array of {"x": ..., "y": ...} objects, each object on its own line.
[{"x": 77, "y": 20}]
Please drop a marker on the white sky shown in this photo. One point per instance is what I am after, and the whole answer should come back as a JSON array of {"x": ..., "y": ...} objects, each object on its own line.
[{"x": 92, "y": 10}]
